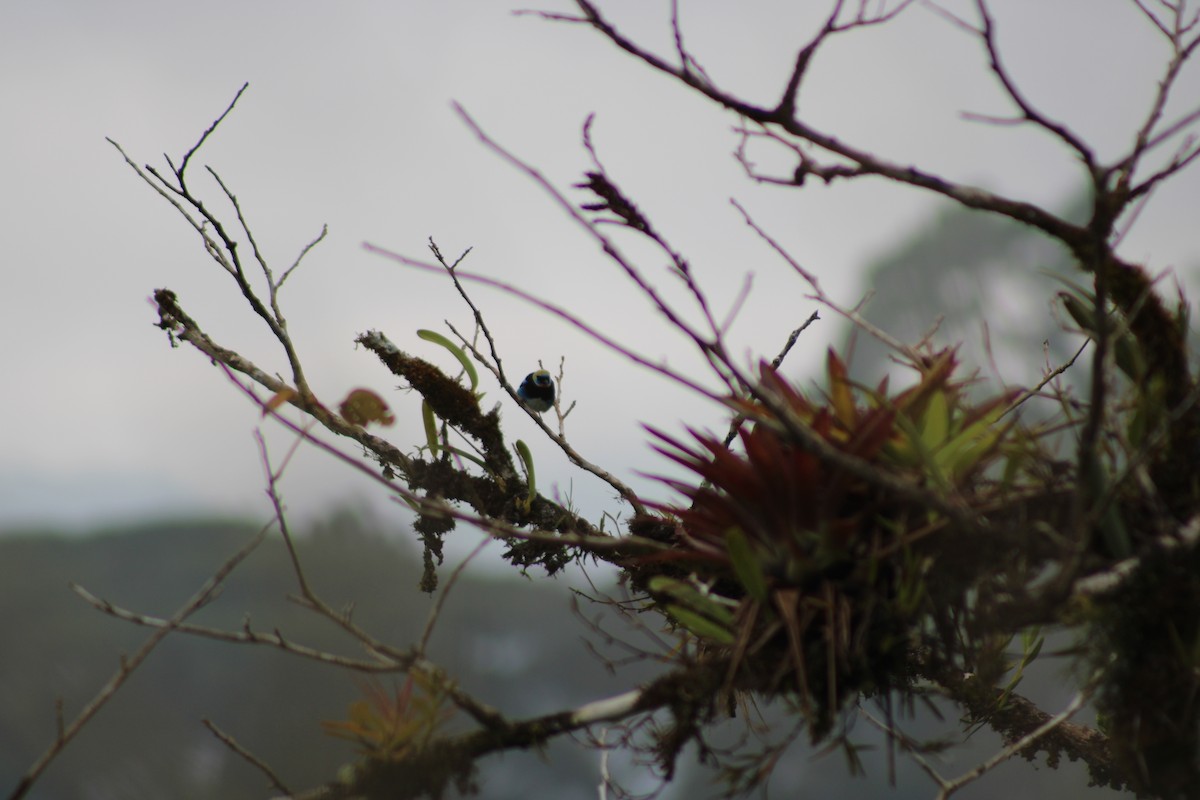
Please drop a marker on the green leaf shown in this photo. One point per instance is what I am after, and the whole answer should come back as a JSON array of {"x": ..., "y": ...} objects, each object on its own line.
[
  {"x": 935, "y": 422},
  {"x": 431, "y": 432},
  {"x": 468, "y": 456},
  {"x": 913, "y": 452},
  {"x": 965, "y": 450},
  {"x": 1112, "y": 527},
  {"x": 1084, "y": 315},
  {"x": 701, "y": 626},
  {"x": 467, "y": 365},
  {"x": 712, "y": 606},
  {"x": 745, "y": 565},
  {"x": 527, "y": 460},
  {"x": 1125, "y": 348},
  {"x": 1033, "y": 646}
]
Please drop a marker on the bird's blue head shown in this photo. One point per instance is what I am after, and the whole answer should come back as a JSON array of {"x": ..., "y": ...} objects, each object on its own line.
[{"x": 537, "y": 390}]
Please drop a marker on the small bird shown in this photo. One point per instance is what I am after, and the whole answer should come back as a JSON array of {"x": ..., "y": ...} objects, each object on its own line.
[{"x": 537, "y": 390}]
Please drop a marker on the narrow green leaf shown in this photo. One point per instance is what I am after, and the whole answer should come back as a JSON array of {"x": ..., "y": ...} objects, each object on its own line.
[
  {"x": 527, "y": 460},
  {"x": 661, "y": 584},
  {"x": 1128, "y": 355},
  {"x": 467, "y": 365},
  {"x": 431, "y": 432},
  {"x": 745, "y": 565},
  {"x": 1033, "y": 652},
  {"x": 711, "y": 606},
  {"x": 966, "y": 449},
  {"x": 701, "y": 626},
  {"x": 935, "y": 422},
  {"x": 1083, "y": 314},
  {"x": 468, "y": 456},
  {"x": 917, "y": 454}
]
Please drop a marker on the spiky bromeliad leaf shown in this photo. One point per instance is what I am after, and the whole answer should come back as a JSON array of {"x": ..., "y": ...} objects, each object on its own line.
[{"x": 391, "y": 725}]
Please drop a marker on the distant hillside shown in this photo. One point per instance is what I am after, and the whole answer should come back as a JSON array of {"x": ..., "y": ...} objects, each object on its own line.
[
  {"x": 515, "y": 643},
  {"x": 510, "y": 640},
  {"x": 970, "y": 270}
]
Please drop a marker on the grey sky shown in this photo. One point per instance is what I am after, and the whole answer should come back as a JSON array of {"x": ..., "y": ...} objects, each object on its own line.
[{"x": 348, "y": 122}]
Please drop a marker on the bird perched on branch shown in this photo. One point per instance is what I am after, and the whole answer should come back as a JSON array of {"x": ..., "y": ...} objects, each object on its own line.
[{"x": 537, "y": 390}]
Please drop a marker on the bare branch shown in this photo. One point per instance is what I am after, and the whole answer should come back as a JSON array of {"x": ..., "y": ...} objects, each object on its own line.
[
  {"x": 480, "y": 323},
  {"x": 152, "y": 179},
  {"x": 1051, "y": 375},
  {"x": 1028, "y": 740},
  {"x": 988, "y": 35},
  {"x": 951, "y": 17},
  {"x": 605, "y": 242},
  {"x": 1154, "y": 20},
  {"x": 850, "y": 314},
  {"x": 223, "y": 248},
  {"x": 258, "y": 763},
  {"x": 866, "y": 163},
  {"x": 247, "y": 635},
  {"x": 776, "y": 362},
  {"x": 204, "y": 137},
  {"x": 613, "y": 199},
  {"x": 1187, "y": 154},
  {"x": 273, "y": 317},
  {"x": 1147, "y": 139},
  {"x": 787, "y": 104},
  {"x": 686, "y": 60},
  {"x": 303, "y": 252}
]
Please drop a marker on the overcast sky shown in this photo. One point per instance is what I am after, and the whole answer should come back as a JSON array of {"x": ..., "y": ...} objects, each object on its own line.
[{"x": 348, "y": 122}]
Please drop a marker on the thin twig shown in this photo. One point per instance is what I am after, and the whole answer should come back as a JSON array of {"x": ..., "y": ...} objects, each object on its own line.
[
  {"x": 273, "y": 476},
  {"x": 1147, "y": 139},
  {"x": 911, "y": 747},
  {"x": 436, "y": 611},
  {"x": 819, "y": 294},
  {"x": 952, "y": 786},
  {"x": 776, "y": 362},
  {"x": 987, "y": 34},
  {"x": 204, "y": 137},
  {"x": 480, "y": 322},
  {"x": 300, "y": 257},
  {"x": 1054, "y": 373},
  {"x": 793, "y": 337},
  {"x": 272, "y": 314},
  {"x": 247, "y": 635},
  {"x": 232, "y": 744}
]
